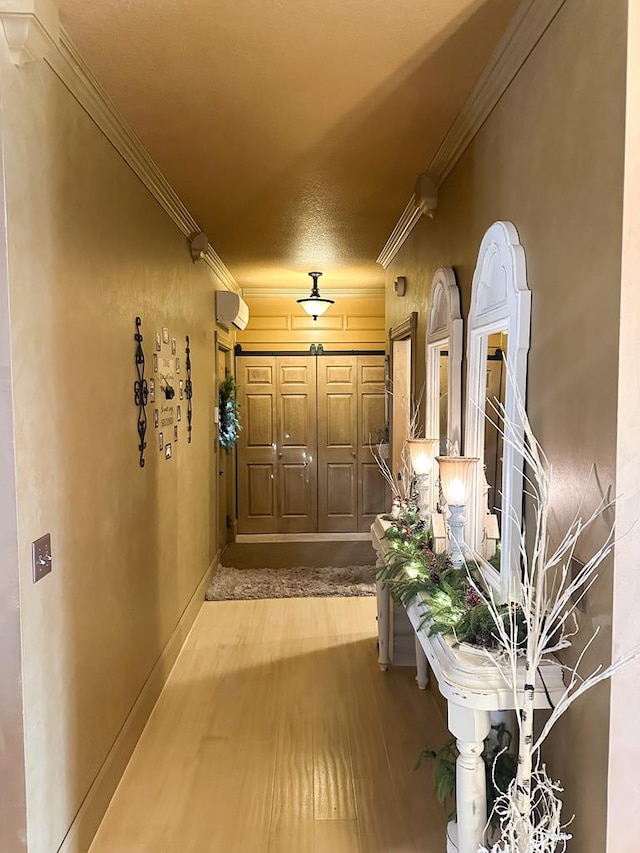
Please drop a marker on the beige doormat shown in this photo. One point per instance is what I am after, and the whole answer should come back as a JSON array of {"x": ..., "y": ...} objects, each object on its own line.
[{"x": 231, "y": 584}]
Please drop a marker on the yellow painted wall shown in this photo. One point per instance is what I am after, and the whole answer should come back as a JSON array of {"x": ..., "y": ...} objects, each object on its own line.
[
  {"x": 550, "y": 159},
  {"x": 89, "y": 249},
  {"x": 279, "y": 323}
]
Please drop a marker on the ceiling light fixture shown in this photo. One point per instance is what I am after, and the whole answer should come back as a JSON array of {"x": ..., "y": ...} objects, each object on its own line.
[{"x": 314, "y": 304}]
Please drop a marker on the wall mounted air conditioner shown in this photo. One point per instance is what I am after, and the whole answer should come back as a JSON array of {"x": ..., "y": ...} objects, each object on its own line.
[{"x": 231, "y": 310}]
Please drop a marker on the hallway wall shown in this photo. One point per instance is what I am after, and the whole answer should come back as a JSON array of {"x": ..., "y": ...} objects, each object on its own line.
[
  {"x": 89, "y": 249},
  {"x": 550, "y": 159}
]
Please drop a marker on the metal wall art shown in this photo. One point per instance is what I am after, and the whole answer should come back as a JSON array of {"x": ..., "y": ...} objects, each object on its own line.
[
  {"x": 141, "y": 392},
  {"x": 188, "y": 390}
]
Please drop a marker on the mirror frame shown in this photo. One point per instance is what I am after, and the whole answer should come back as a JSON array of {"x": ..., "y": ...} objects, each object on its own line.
[
  {"x": 500, "y": 302},
  {"x": 407, "y": 330},
  {"x": 444, "y": 328}
]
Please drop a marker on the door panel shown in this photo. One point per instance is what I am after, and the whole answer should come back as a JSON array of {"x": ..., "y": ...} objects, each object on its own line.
[
  {"x": 259, "y": 422},
  {"x": 371, "y": 417},
  {"x": 260, "y": 497},
  {"x": 337, "y": 444},
  {"x": 297, "y": 440},
  {"x": 295, "y": 374},
  {"x": 373, "y": 497},
  {"x": 294, "y": 491},
  {"x": 340, "y": 412},
  {"x": 340, "y": 489},
  {"x": 260, "y": 374},
  {"x": 296, "y": 417},
  {"x": 373, "y": 492},
  {"x": 257, "y": 460}
]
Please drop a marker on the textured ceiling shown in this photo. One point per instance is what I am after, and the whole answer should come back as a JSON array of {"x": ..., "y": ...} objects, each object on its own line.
[{"x": 293, "y": 130}]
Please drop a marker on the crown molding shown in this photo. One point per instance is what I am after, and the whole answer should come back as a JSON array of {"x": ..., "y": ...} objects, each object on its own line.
[
  {"x": 31, "y": 28},
  {"x": 329, "y": 292},
  {"x": 67, "y": 63},
  {"x": 525, "y": 30},
  {"x": 405, "y": 225}
]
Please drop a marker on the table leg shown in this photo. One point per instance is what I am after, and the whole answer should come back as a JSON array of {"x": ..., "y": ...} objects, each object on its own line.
[
  {"x": 422, "y": 667},
  {"x": 470, "y": 727},
  {"x": 384, "y": 610}
]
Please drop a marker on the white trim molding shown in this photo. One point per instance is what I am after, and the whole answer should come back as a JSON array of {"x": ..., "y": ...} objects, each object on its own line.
[
  {"x": 405, "y": 225},
  {"x": 33, "y": 31},
  {"x": 525, "y": 30},
  {"x": 31, "y": 28}
]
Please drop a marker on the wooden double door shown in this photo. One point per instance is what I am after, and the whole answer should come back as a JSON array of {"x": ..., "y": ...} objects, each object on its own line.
[{"x": 304, "y": 458}]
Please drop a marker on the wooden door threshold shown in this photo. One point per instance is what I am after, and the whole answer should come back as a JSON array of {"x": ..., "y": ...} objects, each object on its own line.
[{"x": 303, "y": 537}]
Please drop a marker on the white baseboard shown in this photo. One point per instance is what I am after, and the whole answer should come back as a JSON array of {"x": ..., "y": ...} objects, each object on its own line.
[
  {"x": 303, "y": 537},
  {"x": 90, "y": 814}
]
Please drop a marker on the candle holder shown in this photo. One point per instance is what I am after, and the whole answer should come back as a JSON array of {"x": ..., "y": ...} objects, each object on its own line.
[
  {"x": 422, "y": 453},
  {"x": 456, "y": 477}
]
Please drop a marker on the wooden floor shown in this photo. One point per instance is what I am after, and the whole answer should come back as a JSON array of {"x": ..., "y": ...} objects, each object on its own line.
[{"x": 277, "y": 733}]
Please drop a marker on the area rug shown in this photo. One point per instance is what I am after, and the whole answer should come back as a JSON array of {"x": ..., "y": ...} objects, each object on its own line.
[{"x": 231, "y": 584}]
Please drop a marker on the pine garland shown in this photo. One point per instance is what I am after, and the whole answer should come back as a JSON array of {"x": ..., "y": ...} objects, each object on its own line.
[
  {"x": 452, "y": 602},
  {"x": 229, "y": 424}
]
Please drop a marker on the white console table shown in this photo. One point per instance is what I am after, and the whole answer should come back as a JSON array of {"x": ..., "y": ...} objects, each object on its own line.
[{"x": 473, "y": 688}]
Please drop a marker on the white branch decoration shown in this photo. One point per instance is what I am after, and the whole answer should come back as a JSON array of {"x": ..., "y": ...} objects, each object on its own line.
[{"x": 529, "y": 812}]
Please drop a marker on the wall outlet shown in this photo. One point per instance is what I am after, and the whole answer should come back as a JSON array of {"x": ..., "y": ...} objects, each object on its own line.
[{"x": 41, "y": 558}]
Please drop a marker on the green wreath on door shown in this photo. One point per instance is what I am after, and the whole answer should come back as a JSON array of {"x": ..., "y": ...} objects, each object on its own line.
[{"x": 229, "y": 425}]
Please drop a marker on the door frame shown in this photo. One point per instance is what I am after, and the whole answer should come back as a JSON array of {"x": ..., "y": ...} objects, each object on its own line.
[
  {"x": 224, "y": 350},
  {"x": 407, "y": 331}
]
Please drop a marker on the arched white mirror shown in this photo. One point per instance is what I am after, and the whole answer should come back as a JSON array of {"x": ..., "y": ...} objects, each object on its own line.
[
  {"x": 443, "y": 387},
  {"x": 497, "y": 348}
]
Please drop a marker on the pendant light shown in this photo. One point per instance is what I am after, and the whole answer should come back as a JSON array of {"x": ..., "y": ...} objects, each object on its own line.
[{"x": 314, "y": 304}]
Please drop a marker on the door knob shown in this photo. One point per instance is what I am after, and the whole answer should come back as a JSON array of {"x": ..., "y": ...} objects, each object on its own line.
[
  {"x": 353, "y": 453},
  {"x": 280, "y": 455}
]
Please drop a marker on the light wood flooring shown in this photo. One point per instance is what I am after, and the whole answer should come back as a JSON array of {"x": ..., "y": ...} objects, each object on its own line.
[{"x": 277, "y": 733}]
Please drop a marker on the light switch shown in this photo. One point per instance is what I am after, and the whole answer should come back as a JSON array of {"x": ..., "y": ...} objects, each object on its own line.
[{"x": 41, "y": 558}]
